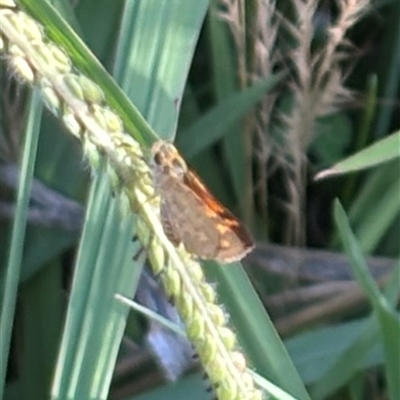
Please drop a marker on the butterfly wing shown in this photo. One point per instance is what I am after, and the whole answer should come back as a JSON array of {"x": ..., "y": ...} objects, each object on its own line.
[
  {"x": 234, "y": 239},
  {"x": 184, "y": 220},
  {"x": 191, "y": 214}
]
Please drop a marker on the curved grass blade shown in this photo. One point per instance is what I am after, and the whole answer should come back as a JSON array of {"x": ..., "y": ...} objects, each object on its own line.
[
  {"x": 153, "y": 73},
  {"x": 95, "y": 321},
  {"x": 383, "y": 311},
  {"x": 255, "y": 330},
  {"x": 220, "y": 119},
  {"x": 380, "y": 152}
]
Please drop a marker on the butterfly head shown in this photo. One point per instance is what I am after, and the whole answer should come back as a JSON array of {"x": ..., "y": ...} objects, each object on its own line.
[{"x": 167, "y": 160}]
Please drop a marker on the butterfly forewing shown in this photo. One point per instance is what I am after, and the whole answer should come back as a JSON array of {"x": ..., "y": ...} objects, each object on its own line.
[{"x": 190, "y": 213}]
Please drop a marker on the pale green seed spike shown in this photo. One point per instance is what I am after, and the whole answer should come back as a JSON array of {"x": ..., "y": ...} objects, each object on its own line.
[
  {"x": 225, "y": 392},
  {"x": 257, "y": 395},
  {"x": 8, "y": 3},
  {"x": 208, "y": 292},
  {"x": 50, "y": 55},
  {"x": 14, "y": 50},
  {"x": 60, "y": 60},
  {"x": 23, "y": 69},
  {"x": 143, "y": 231},
  {"x": 185, "y": 305},
  {"x": 195, "y": 328},
  {"x": 72, "y": 124},
  {"x": 17, "y": 19},
  {"x": 72, "y": 83},
  {"x": 91, "y": 152},
  {"x": 172, "y": 281},
  {"x": 156, "y": 253},
  {"x": 92, "y": 92},
  {"x": 247, "y": 379},
  {"x": 207, "y": 351},
  {"x": 216, "y": 369},
  {"x": 31, "y": 28},
  {"x": 50, "y": 97},
  {"x": 156, "y": 257},
  {"x": 195, "y": 270},
  {"x": 107, "y": 119},
  {"x": 228, "y": 337},
  {"x": 239, "y": 360}
]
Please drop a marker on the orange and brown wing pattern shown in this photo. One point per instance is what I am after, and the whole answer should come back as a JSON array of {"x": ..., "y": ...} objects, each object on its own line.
[
  {"x": 232, "y": 232},
  {"x": 191, "y": 214}
]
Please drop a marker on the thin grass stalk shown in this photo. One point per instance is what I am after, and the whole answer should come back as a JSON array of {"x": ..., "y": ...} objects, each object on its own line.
[
  {"x": 13, "y": 268},
  {"x": 262, "y": 65},
  {"x": 254, "y": 33},
  {"x": 234, "y": 13}
]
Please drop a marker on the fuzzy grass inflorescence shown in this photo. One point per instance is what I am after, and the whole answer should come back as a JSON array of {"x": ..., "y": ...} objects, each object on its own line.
[
  {"x": 81, "y": 105},
  {"x": 317, "y": 89},
  {"x": 255, "y": 50},
  {"x": 278, "y": 135}
]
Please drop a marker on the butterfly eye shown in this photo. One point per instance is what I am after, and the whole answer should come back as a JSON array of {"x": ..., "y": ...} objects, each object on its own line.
[{"x": 158, "y": 158}]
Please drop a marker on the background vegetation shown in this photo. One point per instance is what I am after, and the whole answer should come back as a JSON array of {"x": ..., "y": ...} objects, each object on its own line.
[{"x": 275, "y": 93}]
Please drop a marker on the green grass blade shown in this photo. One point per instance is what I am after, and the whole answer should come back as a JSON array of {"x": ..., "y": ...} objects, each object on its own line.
[
  {"x": 95, "y": 319},
  {"x": 224, "y": 67},
  {"x": 220, "y": 119},
  {"x": 105, "y": 318},
  {"x": 353, "y": 356},
  {"x": 357, "y": 348},
  {"x": 334, "y": 344},
  {"x": 91, "y": 234},
  {"x": 154, "y": 71},
  {"x": 382, "y": 215},
  {"x": 389, "y": 321},
  {"x": 380, "y": 152},
  {"x": 255, "y": 330},
  {"x": 13, "y": 269},
  {"x": 377, "y": 204}
]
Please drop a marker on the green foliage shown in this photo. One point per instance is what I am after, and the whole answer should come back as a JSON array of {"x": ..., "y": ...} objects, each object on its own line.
[{"x": 72, "y": 349}]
